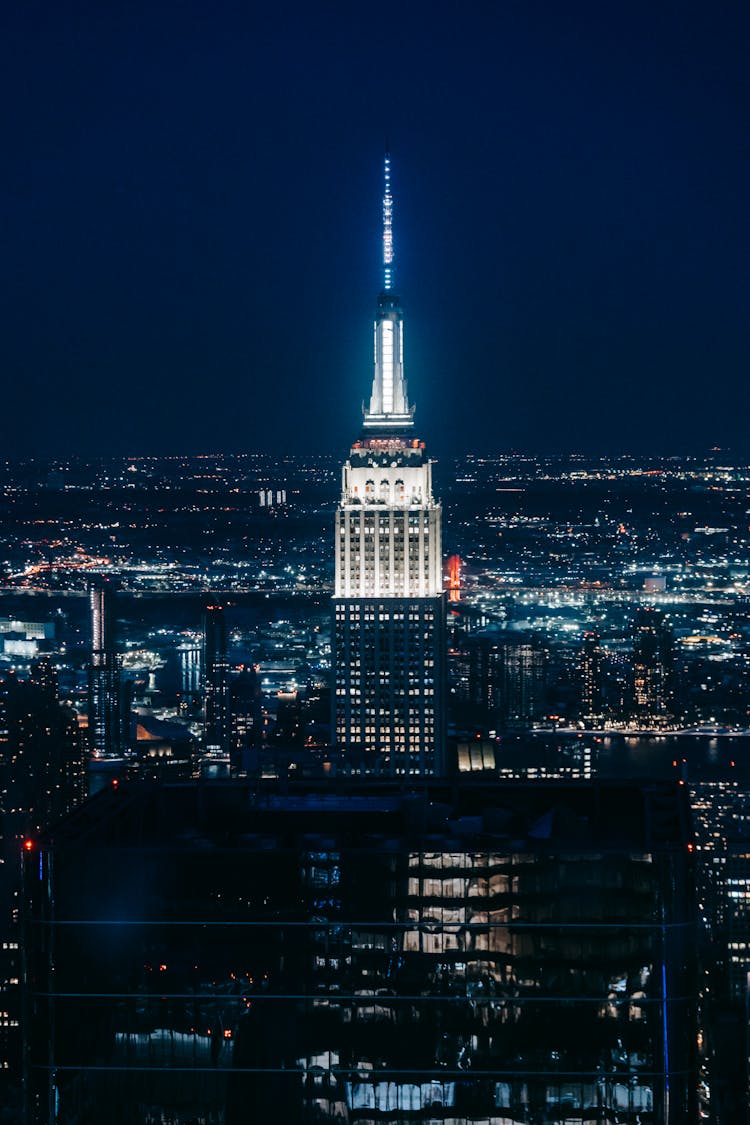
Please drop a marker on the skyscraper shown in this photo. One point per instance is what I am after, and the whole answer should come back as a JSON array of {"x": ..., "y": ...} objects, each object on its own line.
[
  {"x": 216, "y": 671},
  {"x": 455, "y": 954},
  {"x": 389, "y": 608},
  {"x": 107, "y": 719},
  {"x": 42, "y": 777},
  {"x": 504, "y": 679},
  {"x": 653, "y": 666},
  {"x": 245, "y": 712},
  {"x": 591, "y": 660}
]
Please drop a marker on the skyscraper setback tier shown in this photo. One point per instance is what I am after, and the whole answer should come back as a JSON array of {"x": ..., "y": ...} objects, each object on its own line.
[{"x": 389, "y": 606}]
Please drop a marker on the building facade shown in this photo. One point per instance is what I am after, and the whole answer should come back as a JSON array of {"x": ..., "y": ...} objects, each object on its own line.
[
  {"x": 500, "y": 679},
  {"x": 108, "y": 718},
  {"x": 217, "y": 729},
  {"x": 42, "y": 777},
  {"x": 480, "y": 954},
  {"x": 653, "y": 667},
  {"x": 389, "y": 606},
  {"x": 591, "y": 666}
]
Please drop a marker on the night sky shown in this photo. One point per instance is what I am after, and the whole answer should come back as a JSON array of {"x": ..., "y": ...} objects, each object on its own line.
[{"x": 191, "y": 209}]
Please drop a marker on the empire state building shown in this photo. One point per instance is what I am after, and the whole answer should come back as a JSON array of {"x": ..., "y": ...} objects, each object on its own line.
[{"x": 389, "y": 607}]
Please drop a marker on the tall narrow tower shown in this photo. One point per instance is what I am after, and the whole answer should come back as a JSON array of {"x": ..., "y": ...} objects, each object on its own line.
[
  {"x": 389, "y": 608},
  {"x": 216, "y": 729},
  {"x": 108, "y": 718},
  {"x": 653, "y": 667}
]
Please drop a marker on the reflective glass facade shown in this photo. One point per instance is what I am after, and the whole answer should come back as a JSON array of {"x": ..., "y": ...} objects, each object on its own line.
[{"x": 501, "y": 954}]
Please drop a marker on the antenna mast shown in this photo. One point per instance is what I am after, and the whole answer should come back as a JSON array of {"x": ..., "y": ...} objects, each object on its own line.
[{"x": 387, "y": 227}]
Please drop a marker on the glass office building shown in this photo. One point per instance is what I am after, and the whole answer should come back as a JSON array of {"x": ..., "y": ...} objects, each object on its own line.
[{"x": 362, "y": 953}]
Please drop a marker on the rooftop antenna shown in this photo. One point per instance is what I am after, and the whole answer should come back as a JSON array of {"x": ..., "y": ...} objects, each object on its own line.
[{"x": 387, "y": 226}]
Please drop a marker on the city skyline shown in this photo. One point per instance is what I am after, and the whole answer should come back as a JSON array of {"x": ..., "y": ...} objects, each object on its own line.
[
  {"x": 189, "y": 207},
  {"x": 410, "y": 782},
  {"x": 598, "y": 630}
]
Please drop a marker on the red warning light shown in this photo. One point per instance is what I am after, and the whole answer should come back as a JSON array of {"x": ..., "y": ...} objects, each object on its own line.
[{"x": 28, "y": 845}]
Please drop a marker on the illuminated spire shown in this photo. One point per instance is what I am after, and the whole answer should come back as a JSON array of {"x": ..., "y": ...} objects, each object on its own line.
[
  {"x": 389, "y": 409},
  {"x": 387, "y": 227}
]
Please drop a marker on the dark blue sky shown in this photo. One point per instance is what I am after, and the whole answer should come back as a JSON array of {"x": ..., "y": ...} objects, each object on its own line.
[{"x": 191, "y": 198}]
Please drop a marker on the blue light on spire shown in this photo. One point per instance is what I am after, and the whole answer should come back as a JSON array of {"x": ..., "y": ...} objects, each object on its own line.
[{"x": 387, "y": 227}]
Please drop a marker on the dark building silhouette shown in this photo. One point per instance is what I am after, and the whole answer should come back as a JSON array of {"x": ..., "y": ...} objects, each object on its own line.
[
  {"x": 316, "y": 714},
  {"x": 288, "y": 729},
  {"x": 246, "y": 714},
  {"x": 217, "y": 726},
  {"x": 43, "y": 674},
  {"x": 108, "y": 712},
  {"x": 482, "y": 953},
  {"x": 42, "y": 777},
  {"x": 653, "y": 667},
  {"x": 591, "y": 666},
  {"x": 721, "y": 815},
  {"x": 41, "y": 754},
  {"x": 522, "y": 680},
  {"x": 501, "y": 679}
]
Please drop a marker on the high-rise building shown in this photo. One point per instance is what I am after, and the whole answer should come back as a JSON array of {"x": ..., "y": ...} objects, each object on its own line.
[
  {"x": 502, "y": 679},
  {"x": 42, "y": 777},
  {"x": 217, "y": 729},
  {"x": 389, "y": 606},
  {"x": 43, "y": 674},
  {"x": 467, "y": 954},
  {"x": 245, "y": 711},
  {"x": 720, "y": 809},
  {"x": 653, "y": 667},
  {"x": 108, "y": 720},
  {"x": 591, "y": 668},
  {"x": 523, "y": 681},
  {"x": 42, "y": 760}
]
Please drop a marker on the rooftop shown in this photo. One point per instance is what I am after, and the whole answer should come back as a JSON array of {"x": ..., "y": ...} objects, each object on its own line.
[{"x": 585, "y": 816}]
